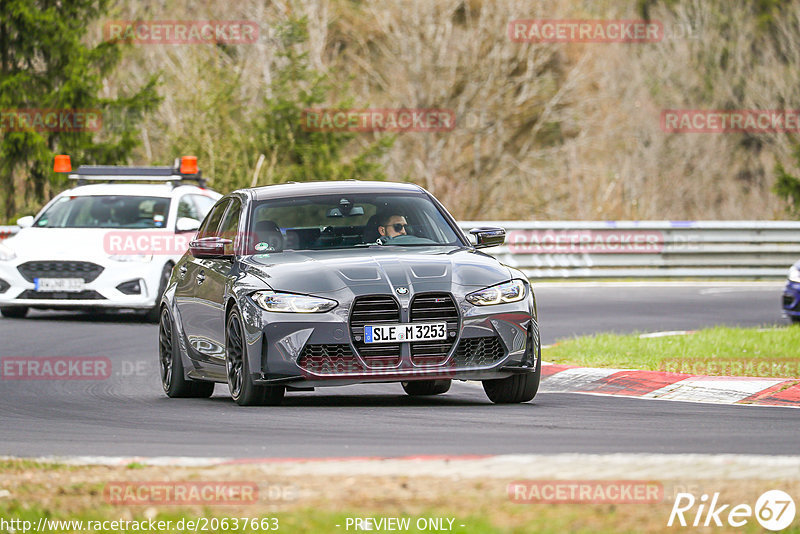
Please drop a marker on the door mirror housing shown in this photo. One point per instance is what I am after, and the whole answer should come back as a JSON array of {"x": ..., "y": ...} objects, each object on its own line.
[
  {"x": 211, "y": 248},
  {"x": 25, "y": 222},
  {"x": 488, "y": 237},
  {"x": 186, "y": 224}
]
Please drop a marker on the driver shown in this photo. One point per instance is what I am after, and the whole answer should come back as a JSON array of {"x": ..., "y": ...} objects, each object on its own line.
[{"x": 392, "y": 225}]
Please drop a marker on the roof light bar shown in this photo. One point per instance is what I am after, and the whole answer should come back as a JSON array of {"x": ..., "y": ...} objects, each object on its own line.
[{"x": 185, "y": 170}]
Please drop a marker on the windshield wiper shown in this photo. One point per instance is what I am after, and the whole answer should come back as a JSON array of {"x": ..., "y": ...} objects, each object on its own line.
[{"x": 357, "y": 245}]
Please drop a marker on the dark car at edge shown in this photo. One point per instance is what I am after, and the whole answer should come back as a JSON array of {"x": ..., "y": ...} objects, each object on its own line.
[{"x": 791, "y": 294}]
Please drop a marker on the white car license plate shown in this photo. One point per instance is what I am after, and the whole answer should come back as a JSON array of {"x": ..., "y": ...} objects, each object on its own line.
[
  {"x": 59, "y": 284},
  {"x": 395, "y": 333}
]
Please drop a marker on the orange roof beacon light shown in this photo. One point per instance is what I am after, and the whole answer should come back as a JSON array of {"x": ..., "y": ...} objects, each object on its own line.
[
  {"x": 189, "y": 165},
  {"x": 62, "y": 164}
]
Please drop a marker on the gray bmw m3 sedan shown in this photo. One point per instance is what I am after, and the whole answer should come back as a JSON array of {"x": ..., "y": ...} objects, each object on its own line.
[{"x": 303, "y": 285}]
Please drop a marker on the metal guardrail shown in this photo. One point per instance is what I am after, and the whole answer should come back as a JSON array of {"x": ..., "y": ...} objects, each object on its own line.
[
  {"x": 641, "y": 249},
  {"x": 648, "y": 249}
]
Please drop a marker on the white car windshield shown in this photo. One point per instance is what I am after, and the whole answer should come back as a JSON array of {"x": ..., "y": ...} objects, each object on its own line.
[{"x": 105, "y": 211}]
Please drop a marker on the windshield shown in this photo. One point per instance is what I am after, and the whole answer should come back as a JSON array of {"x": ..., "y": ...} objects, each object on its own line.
[
  {"x": 348, "y": 221},
  {"x": 108, "y": 211}
]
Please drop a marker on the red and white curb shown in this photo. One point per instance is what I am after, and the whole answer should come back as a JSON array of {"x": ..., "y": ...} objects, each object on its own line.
[{"x": 671, "y": 386}]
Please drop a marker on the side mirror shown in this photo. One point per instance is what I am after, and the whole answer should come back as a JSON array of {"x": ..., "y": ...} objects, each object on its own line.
[
  {"x": 211, "y": 248},
  {"x": 488, "y": 237},
  {"x": 186, "y": 224},
  {"x": 25, "y": 222}
]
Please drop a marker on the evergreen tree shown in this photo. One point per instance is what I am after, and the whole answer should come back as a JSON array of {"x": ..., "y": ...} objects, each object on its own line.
[{"x": 47, "y": 64}]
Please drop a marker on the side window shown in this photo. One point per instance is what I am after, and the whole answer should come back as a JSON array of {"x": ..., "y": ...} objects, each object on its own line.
[
  {"x": 186, "y": 208},
  {"x": 230, "y": 224},
  {"x": 203, "y": 204},
  {"x": 210, "y": 225}
]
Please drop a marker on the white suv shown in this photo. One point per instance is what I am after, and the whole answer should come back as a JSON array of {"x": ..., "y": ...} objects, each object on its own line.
[{"x": 105, "y": 246}]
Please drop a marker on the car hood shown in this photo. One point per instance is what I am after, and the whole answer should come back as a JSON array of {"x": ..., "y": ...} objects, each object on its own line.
[
  {"x": 377, "y": 270},
  {"x": 62, "y": 243}
]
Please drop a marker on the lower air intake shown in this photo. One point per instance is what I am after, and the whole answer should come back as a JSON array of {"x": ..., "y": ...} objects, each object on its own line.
[
  {"x": 479, "y": 352},
  {"x": 329, "y": 359}
]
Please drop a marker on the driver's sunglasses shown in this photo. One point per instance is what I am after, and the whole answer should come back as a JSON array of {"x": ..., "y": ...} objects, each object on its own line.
[{"x": 398, "y": 227}]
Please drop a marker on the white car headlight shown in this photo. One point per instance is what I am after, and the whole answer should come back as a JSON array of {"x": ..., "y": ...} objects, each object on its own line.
[
  {"x": 291, "y": 303},
  {"x": 794, "y": 274},
  {"x": 6, "y": 254},
  {"x": 512, "y": 291},
  {"x": 139, "y": 258}
]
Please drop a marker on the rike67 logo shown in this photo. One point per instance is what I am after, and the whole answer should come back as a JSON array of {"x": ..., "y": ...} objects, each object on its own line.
[{"x": 774, "y": 510}]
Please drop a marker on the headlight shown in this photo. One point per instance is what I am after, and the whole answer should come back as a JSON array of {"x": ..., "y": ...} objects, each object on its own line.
[
  {"x": 512, "y": 291},
  {"x": 139, "y": 258},
  {"x": 794, "y": 274},
  {"x": 291, "y": 303},
  {"x": 6, "y": 254}
]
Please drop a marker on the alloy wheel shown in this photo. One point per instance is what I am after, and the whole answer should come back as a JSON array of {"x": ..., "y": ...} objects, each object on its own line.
[
  {"x": 233, "y": 361},
  {"x": 165, "y": 349}
]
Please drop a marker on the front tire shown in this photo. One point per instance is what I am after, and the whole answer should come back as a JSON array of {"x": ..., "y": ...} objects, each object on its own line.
[
  {"x": 240, "y": 380},
  {"x": 422, "y": 388},
  {"x": 520, "y": 387},
  {"x": 171, "y": 366},
  {"x": 514, "y": 389},
  {"x": 17, "y": 312}
]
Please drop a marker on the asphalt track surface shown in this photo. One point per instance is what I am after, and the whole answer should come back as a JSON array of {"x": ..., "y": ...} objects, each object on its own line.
[{"x": 128, "y": 415}]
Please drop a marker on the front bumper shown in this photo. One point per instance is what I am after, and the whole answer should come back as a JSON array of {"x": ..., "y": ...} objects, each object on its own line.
[
  {"x": 99, "y": 293},
  {"x": 309, "y": 350},
  {"x": 791, "y": 299}
]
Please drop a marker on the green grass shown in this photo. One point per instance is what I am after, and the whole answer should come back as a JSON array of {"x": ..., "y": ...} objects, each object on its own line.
[
  {"x": 135, "y": 465},
  {"x": 772, "y": 352},
  {"x": 14, "y": 464}
]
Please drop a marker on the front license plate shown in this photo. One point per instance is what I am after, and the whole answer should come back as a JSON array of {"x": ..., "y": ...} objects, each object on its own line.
[
  {"x": 395, "y": 333},
  {"x": 59, "y": 284}
]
